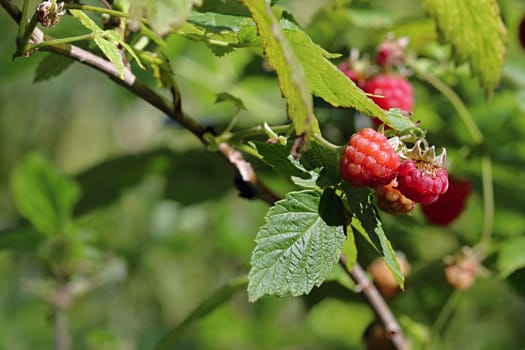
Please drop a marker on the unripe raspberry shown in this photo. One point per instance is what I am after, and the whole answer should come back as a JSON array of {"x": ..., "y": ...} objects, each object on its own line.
[
  {"x": 383, "y": 278},
  {"x": 461, "y": 273},
  {"x": 391, "y": 200}
]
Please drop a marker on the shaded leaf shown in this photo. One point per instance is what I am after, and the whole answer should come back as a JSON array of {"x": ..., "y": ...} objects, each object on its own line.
[
  {"x": 42, "y": 195},
  {"x": 332, "y": 209},
  {"x": 360, "y": 203},
  {"x": 350, "y": 250},
  {"x": 476, "y": 32},
  {"x": 511, "y": 256},
  {"x": 20, "y": 238},
  {"x": 295, "y": 250},
  {"x": 281, "y": 57},
  {"x": 187, "y": 176},
  {"x": 325, "y": 158},
  {"x": 226, "y": 97},
  {"x": 278, "y": 156},
  {"x": 51, "y": 66}
]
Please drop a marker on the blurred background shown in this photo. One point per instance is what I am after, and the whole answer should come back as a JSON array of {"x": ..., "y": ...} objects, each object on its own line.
[{"x": 157, "y": 242}]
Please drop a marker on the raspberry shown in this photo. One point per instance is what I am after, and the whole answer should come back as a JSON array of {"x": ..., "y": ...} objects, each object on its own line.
[
  {"x": 391, "y": 52},
  {"x": 461, "y": 272},
  {"x": 392, "y": 92},
  {"x": 448, "y": 206},
  {"x": 421, "y": 181},
  {"x": 383, "y": 278},
  {"x": 346, "y": 68},
  {"x": 391, "y": 200},
  {"x": 368, "y": 160}
]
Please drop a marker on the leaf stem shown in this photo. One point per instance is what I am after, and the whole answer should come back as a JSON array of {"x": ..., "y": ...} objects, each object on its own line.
[
  {"x": 96, "y": 9},
  {"x": 23, "y": 21},
  {"x": 377, "y": 303},
  {"x": 444, "y": 314},
  {"x": 23, "y": 42},
  {"x": 215, "y": 300},
  {"x": 61, "y": 41}
]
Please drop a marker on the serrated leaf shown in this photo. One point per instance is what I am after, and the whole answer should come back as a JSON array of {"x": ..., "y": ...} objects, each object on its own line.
[
  {"x": 43, "y": 196},
  {"x": 111, "y": 51},
  {"x": 398, "y": 119},
  {"x": 366, "y": 218},
  {"x": 226, "y": 97},
  {"x": 295, "y": 250},
  {"x": 277, "y": 156},
  {"x": 86, "y": 21},
  {"x": 20, "y": 238},
  {"x": 290, "y": 72},
  {"x": 511, "y": 256},
  {"x": 476, "y": 32},
  {"x": 51, "y": 66},
  {"x": 117, "y": 38},
  {"x": 324, "y": 79}
]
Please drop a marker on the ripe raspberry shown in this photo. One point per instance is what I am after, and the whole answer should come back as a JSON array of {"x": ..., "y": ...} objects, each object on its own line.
[
  {"x": 392, "y": 92},
  {"x": 368, "y": 160},
  {"x": 421, "y": 181},
  {"x": 448, "y": 206},
  {"x": 392, "y": 201}
]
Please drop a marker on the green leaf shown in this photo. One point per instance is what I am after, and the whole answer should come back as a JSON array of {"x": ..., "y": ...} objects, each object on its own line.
[
  {"x": 43, "y": 196},
  {"x": 165, "y": 15},
  {"x": 51, "y": 66},
  {"x": 324, "y": 79},
  {"x": 118, "y": 39},
  {"x": 278, "y": 156},
  {"x": 20, "y": 238},
  {"x": 511, "y": 256},
  {"x": 281, "y": 57},
  {"x": 226, "y": 97},
  {"x": 187, "y": 177},
  {"x": 295, "y": 250},
  {"x": 86, "y": 21},
  {"x": 366, "y": 218},
  {"x": 350, "y": 250},
  {"x": 476, "y": 32},
  {"x": 398, "y": 119},
  {"x": 111, "y": 51},
  {"x": 332, "y": 209},
  {"x": 319, "y": 156}
]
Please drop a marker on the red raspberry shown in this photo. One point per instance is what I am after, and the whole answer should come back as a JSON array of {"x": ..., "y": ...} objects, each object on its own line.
[
  {"x": 391, "y": 200},
  {"x": 346, "y": 68},
  {"x": 448, "y": 206},
  {"x": 421, "y": 181},
  {"x": 392, "y": 92},
  {"x": 368, "y": 159}
]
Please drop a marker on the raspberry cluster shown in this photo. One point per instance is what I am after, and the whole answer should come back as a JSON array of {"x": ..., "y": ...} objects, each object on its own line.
[{"x": 370, "y": 160}]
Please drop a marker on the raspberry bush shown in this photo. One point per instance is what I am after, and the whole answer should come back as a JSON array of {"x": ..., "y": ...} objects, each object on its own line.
[{"x": 251, "y": 170}]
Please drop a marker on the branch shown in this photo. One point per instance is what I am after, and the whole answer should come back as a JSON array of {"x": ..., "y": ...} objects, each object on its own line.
[{"x": 377, "y": 303}]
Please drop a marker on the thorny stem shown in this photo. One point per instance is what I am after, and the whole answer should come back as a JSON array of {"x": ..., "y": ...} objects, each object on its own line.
[
  {"x": 486, "y": 164},
  {"x": 378, "y": 304}
]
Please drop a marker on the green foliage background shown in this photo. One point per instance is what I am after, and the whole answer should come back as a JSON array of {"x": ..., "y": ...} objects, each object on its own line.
[{"x": 175, "y": 233}]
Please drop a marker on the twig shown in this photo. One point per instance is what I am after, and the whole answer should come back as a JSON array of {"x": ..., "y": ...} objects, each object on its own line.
[{"x": 377, "y": 303}]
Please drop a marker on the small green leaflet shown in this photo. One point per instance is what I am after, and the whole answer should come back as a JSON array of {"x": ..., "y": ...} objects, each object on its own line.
[
  {"x": 86, "y": 21},
  {"x": 112, "y": 53},
  {"x": 281, "y": 57},
  {"x": 295, "y": 250},
  {"x": 43, "y": 196},
  {"x": 476, "y": 32}
]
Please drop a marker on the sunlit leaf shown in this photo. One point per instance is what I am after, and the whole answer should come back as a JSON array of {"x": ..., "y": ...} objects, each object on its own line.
[
  {"x": 111, "y": 51},
  {"x": 295, "y": 250},
  {"x": 476, "y": 32},
  {"x": 86, "y": 21},
  {"x": 281, "y": 57}
]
